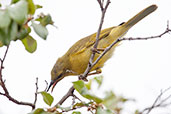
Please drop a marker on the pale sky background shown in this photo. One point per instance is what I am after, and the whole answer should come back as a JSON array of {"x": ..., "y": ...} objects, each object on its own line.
[{"x": 138, "y": 69}]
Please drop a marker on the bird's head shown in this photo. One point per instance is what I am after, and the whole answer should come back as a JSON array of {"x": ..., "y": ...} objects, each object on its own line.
[{"x": 59, "y": 71}]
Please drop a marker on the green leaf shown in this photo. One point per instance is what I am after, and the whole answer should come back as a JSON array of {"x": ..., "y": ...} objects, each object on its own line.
[
  {"x": 48, "y": 99},
  {"x": 81, "y": 88},
  {"x": 32, "y": 7},
  {"x": 37, "y": 111},
  {"x": 4, "y": 19},
  {"x": 14, "y": 1},
  {"x": 100, "y": 110},
  {"x": 39, "y": 6},
  {"x": 47, "y": 19},
  {"x": 13, "y": 30},
  {"x": 79, "y": 104},
  {"x": 99, "y": 80},
  {"x": 8, "y": 34},
  {"x": 64, "y": 108},
  {"x": 29, "y": 43},
  {"x": 3, "y": 37},
  {"x": 76, "y": 112},
  {"x": 40, "y": 111},
  {"x": 24, "y": 32},
  {"x": 88, "y": 85},
  {"x": 136, "y": 112},
  {"x": 40, "y": 30},
  {"x": 18, "y": 11},
  {"x": 111, "y": 101},
  {"x": 1, "y": 44}
]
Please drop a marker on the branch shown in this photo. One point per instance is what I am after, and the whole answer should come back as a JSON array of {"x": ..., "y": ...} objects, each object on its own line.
[
  {"x": 68, "y": 94},
  {"x": 158, "y": 103},
  {"x": 168, "y": 30},
  {"x": 71, "y": 109},
  {"x": 6, "y": 93},
  {"x": 16, "y": 101},
  {"x": 91, "y": 64},
  {"x": 1, "y": 67},
  {"x": 35, "y": 98},
  {"x": 90, "y": 107},
  {"x": 46, "y": 85},
  {"x": 71, "y": 90},
  {"x": 100, "y": 4}
]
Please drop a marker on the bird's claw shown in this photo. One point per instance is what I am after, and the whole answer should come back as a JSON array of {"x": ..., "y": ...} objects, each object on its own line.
[
  {"x": 95, "y": 50},
  {"x": 82, "y": 78}
]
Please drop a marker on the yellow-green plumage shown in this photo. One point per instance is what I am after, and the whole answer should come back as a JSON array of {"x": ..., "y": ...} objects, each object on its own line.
[
  {"x": 84, "y": 51},
  {"x": 75, "y": 60}
]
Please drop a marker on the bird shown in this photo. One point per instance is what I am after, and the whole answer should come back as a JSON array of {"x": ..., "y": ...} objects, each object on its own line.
[{"x": 74, "y": 62}]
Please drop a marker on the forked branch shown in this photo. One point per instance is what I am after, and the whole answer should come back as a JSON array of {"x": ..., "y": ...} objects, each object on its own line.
[
  {"x": 6, "y": 92},
  {"x": 91, "y": 64},
  {"x": 103, "y": 9},
  {"x": 159, "y": 102}
]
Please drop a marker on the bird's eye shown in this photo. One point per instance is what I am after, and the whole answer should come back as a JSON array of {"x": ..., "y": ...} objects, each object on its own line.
[{"x": 59, "y": 76}]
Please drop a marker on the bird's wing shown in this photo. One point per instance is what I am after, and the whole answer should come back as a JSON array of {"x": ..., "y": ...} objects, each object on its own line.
[{"x": 81, "y": 45}]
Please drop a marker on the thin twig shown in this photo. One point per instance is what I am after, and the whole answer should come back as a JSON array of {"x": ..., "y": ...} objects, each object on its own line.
[
  {"x": 77, "y": 97},
  {"x": 168, "y": 30},
  {"x": 6, "y": 93},
  {"x": 71, "y": 90},
  {"x": 100, "y": 4},
  {"x": 36, "y": 92},
  {"x": 1, "y": 67},
  {"x": 130, "y": 39},
  {"x": 46, "y": 85},
  {"x": 68, "y": 94},
  {"x": 91, "y": 64},
  {"x": 156, "y": 103},
  {"x": 89, "y": 67},
  {"x": 88, "y": 105},
  {"x": 108, "y": 48},
  {"x": 71, "y": 109}
]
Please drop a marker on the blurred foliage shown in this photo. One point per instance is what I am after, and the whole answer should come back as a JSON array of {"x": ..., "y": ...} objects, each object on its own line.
[
  {"x": 82, "y": 89},
  {"x": 40, "y": 111},
  {"x": 76, "y": 112},
  {"x": 15, "y": 20},
  {"x": 109, "y": 104},
  {"x": 101, "y": 110}
]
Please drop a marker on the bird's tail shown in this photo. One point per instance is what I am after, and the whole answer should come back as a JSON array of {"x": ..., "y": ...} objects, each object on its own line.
[
  {"x": 123, "y": 28},
  {"x": 131, "y": 22}
]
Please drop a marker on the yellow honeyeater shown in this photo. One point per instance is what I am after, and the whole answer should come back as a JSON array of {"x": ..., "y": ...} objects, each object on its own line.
[{"x": 76, "y": 59}]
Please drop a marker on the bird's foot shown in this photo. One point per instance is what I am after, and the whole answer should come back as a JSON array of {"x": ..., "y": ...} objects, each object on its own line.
[
  {"x": 97, "y": 50},
  {"x": 82, "y": 78}
]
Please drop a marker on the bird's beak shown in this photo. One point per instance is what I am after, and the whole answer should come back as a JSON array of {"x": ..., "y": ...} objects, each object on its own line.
[{"x": 53, "y": 83}]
